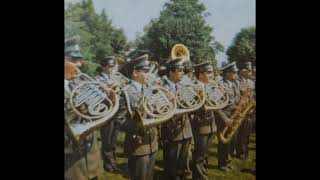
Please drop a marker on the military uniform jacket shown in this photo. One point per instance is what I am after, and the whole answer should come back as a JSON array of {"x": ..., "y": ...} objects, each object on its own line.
[
  {"x": 179, "y": 127},
  {"x": 246, "y": 83},
  {"x": 234, "y": 96},
  {"x": 106, "y": 78},
  {"x": 203, "y": 121},
  {"x": 103, "y": 77},
  {"x": 138, "y": 140},
  {"x": 81, "y": 160}
]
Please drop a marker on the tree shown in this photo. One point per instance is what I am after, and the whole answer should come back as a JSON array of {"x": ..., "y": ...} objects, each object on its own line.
[
  {"x": 98, "y": 36},
  {"x": 103, "y": 33},
  {"x": 181, "y": 21},
  {"x": 243, "y": 48},
  {"x": 119, "y": 41},
  {"x": 75, "y": 26}
]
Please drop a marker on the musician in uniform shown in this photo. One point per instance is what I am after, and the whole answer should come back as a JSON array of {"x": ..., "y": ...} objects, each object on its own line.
[
  {"x": 109, "y": 132},
  {"x": 188, "y": 69},
  {"x": 203, "y": 127},
  {"x": 188, "y": 76},
  {"x": 176, "y": 133},
  {"x": 229, "y": 75},
  {"x": 216, "y": 75},
  {"x": 242, "y": 137},
  {"x": 162, "y": 71},
  {"x": 81, "y": 158},
  {"x": 72, "y": 51},
  {"x": 235, "y": 89},
  {"x": 141, "y": 143}
]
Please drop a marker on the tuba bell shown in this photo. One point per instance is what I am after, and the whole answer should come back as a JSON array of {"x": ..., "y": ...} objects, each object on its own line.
[
  {"x": 89, "y": 106},
  {"x": 180, "y": 51},
  {"x": 190, "y": 96}
]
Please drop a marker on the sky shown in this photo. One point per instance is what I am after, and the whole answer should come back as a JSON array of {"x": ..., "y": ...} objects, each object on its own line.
[{"x": 227, "y": 16}]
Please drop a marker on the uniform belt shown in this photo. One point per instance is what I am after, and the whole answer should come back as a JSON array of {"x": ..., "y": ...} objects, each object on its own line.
[{"x": 144, "y": 139}]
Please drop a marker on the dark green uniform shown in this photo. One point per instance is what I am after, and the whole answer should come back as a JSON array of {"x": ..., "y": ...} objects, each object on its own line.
[
  {"x": 235, "y": 93},
  {"x": 81, "y": 160},
  {"x": 141, "y": 143},
  {"x": 176, "y": 135},
  {"x": 203, "y": 129},
  {"x": 242, "y": 138},
  {"x": 234, "y": 97},
  {"x": 109, "y": 132}
]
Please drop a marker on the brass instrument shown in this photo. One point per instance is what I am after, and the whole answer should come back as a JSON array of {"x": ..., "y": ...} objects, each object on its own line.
[
  {"x": 216, "y": 96},
  {"x": 153, "y": 77},
  {"x": 121, "y": 80},
  {"x": 91, "y": 104},
  {"x": 180, "y": 51},
  {"x": 158, "y": 106},
  {"x": 239, "y": 115},
  {"x": 154, "y": 67},
  {"x": 190, "y": 96},
  {"x": 119, "y": 63},
  {"x": 118, "y": 80}
]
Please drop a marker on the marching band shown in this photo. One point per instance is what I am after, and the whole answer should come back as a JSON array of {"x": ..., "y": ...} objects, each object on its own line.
[{"x": 178, "y": 106}]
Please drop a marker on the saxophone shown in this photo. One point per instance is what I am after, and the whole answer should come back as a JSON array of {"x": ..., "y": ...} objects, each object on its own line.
[{"x": 246, "y": 104}]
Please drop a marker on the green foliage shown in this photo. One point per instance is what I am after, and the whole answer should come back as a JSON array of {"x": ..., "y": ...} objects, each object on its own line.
[
  {"x": 181, "y": 21},
  {"x": 243, "y": 48},
  {"x": 99, "y": 37},
  {"x": 89, "y": 68}
]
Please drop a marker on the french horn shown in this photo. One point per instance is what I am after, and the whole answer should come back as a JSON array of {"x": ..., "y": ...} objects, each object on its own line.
[
  {"x": 189, "y": 97},
  {"x": 158, "y": 106},
  {"x": 216, "y": 96},
  {"x": 90, "y": 105}
]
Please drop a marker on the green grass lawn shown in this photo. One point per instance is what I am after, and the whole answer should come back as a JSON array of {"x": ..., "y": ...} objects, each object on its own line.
[{"x": 243, "y": 170}]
